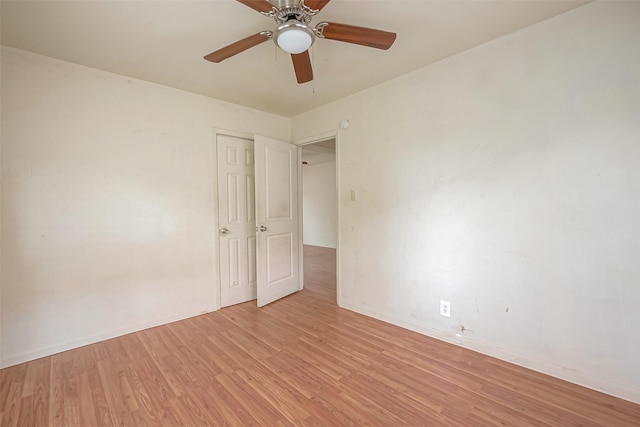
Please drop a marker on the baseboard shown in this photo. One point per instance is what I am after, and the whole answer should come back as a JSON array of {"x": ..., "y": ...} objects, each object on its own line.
[
  {"x": 48, "y": 351},
  {"x": 548, "y": 368}
]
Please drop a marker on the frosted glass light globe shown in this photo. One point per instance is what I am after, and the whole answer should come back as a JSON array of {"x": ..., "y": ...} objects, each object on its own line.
[
  {"x": 294, "y": 37},
  {"x": 294, "y": 40}
]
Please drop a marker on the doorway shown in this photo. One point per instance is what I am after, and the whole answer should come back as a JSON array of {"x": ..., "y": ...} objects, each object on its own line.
[
  {"x": 258, "y": 222},
  {"x": 320, "y": 215}
]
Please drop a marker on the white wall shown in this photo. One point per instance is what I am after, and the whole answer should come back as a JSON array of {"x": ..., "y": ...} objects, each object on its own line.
[
  {"x": 505, "y": 179},
  {"x": 320, "y": 216},
  {"x": 107, "y": 203}
]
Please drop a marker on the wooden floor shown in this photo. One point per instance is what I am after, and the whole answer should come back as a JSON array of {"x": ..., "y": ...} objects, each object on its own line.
[{"x": 299, "y": 361}]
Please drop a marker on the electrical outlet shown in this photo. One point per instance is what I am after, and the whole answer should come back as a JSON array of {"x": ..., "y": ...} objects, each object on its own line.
[{"x": 445, "y": 308}]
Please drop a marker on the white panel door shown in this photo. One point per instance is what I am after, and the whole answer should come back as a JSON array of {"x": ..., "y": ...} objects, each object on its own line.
[
  {"x": 236, "y": 213},
  {"x": 277, "y": 219}
]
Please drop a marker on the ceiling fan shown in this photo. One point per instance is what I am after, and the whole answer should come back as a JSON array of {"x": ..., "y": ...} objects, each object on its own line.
[{"x": 295, "y": 36}]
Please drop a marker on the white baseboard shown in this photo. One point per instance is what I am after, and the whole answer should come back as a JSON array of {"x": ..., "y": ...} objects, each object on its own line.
[
  {"x": 58, "y": 348},
  {"x": 567, "y": 374}
]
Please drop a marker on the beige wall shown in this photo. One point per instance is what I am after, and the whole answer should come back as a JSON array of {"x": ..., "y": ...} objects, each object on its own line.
[
  {"x": 107, "y": 203},
  {"x": 506, "y": 180}
]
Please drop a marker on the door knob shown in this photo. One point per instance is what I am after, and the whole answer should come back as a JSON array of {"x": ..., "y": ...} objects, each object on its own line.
[
  {"x": 224, "y": 230},
  {"x": 263, "y": 228}
]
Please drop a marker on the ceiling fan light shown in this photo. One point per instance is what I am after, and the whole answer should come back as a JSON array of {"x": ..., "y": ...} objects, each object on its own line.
[{"x": 294, "y": 37}]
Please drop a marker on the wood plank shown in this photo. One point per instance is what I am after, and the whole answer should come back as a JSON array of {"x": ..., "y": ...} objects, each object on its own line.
[
  {"x": 11, "y": 398},
  {"x": 102, "y": 411}
]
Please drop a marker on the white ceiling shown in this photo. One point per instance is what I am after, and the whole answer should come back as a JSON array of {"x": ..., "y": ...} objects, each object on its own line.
[{"x": 165, "y": 41}]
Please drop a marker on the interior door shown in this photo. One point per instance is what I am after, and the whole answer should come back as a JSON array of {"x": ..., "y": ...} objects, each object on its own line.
[
  {"x": 236, "y": 219},
  {"x": 278, "y": 258}
]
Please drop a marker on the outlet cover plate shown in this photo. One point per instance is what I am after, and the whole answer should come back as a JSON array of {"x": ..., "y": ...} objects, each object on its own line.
[{"x": 445, "y": 308}]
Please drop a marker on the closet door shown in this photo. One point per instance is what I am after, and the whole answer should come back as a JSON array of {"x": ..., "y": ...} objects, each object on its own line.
[{"x": 237, "y": 219}]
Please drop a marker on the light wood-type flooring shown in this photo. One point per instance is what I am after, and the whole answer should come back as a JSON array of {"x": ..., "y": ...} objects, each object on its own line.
[{"x": 297, "y": 362}]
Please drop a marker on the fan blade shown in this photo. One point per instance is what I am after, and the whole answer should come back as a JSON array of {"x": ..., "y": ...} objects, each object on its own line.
[
  {"x": 358, "y": 35},
  {"x": 302, "y": 66},
  {"x": 237, "y": 47},
  {"x": 258, "y": 5},
  {"x": 316, "y": 4}
]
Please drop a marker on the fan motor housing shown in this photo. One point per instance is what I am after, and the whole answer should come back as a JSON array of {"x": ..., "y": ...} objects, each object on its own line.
[{"x": 284, "y": 3}]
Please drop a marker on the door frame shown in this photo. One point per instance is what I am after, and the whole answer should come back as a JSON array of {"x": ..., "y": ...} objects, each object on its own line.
[
  {"x": 335, "y": 134},
  {"x": 213, "y": 178}
]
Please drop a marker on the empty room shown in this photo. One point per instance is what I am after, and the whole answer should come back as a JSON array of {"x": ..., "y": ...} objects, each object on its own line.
[{"x": 322, "y": 213}]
